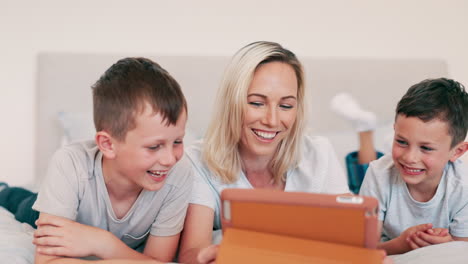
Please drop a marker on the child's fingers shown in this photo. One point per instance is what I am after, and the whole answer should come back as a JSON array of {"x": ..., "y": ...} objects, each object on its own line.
[
  {"x": 47, "y": 241},
  {"x": 438, "y": 239},
  {"x": 418, "y": 239},
  {"x": 443, "y": 232},
  {"x": 411, "y": 243},
  {"x": 52, "y": 251},
  {"x": 48, "y": 230},
  {"x": 50, "y": 220}
]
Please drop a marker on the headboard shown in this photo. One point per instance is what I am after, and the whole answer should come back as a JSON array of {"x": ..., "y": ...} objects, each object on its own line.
[{"x": 64, "y": 82}]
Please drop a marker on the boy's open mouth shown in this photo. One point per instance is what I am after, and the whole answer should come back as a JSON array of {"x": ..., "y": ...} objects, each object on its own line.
[
  {"x": 411, "y": 171},
  {"x": 157, "y": 174}
]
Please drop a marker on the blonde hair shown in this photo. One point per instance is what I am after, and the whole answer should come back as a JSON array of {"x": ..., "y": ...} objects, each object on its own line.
[{"x": 221, "y": 143}]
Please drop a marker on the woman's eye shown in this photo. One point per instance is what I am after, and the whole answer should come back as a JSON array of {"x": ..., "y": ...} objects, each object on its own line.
[
  {"x": 286, "y": 106},
  {"x": 256, "y": 103}
]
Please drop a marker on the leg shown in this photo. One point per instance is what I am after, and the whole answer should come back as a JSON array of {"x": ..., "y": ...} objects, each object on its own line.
[
  {"x": 366, "y": 152},
  {"x": 19, "y": 202}
]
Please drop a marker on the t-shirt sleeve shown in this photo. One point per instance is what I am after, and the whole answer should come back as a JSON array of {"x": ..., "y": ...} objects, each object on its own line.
[
  {"x": 170, "y": 219},
  {"x": 202, "y": 193},
  {"x": 373, "y": 185},
  {"x": 337, "y": 182},
  {"x": 58, "y": 194},
  {"x": 459, "y": 223}
]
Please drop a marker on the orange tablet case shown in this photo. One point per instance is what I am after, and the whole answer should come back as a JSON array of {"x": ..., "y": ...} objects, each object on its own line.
[{"x": 268, "y": 226}]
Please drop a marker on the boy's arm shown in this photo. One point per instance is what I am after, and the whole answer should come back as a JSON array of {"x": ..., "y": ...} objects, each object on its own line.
[
  {"x": 59, "y": 260},
  {"x": 58, "y": 236},
  {"x": 162, "y": 248}
]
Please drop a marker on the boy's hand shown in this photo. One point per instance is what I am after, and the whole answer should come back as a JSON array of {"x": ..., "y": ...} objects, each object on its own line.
[
  {"x": 208, "y": 255},
  {"x": 431, "y": 236},
  {"x": 59, "y": 236},
  {"x": 405, "y": 237}
]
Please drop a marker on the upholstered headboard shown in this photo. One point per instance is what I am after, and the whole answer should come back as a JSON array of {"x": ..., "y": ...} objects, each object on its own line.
[{"x": 64, "y": 82}]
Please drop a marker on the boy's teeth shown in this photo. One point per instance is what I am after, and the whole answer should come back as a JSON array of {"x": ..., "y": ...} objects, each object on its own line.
[
  {"x": 266, "y": 135},
  {"x": 158, "y": 173},
  {"x": 414, "y": 170}
]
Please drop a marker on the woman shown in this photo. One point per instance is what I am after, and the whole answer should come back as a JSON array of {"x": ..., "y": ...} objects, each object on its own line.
[{"x": 256, "y": 140}]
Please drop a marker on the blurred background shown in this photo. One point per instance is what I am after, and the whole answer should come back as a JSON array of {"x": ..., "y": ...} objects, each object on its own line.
[{"x": 346, "y": 28}]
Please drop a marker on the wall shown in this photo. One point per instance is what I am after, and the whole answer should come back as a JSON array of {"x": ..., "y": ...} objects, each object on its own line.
[{"x": 358, "y": 28}]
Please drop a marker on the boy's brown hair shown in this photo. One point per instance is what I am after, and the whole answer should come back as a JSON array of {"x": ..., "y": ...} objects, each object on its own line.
[
  {"x": 441, "y": 98},
  {"x": 125, "y": 88}
]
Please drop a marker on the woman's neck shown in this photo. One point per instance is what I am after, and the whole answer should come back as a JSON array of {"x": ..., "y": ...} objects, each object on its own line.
[{"x": 258, "y": 172}]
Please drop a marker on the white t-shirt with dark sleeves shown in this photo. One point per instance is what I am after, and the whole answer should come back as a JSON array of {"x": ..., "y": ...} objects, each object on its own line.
[
  {"x": 74, "y": 188},
  {"x": 317, "y": 172},
  {"x": 399, "y": 211}
]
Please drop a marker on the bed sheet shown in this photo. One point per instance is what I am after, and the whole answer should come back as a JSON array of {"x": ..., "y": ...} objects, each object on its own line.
[
  {"x": 16, "y": 246},
  {"x": 447, "y": 253},
  {"x": 15, "y": 240}
]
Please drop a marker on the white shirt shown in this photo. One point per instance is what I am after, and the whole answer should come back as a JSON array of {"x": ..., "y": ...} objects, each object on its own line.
[{"x": 317, "y": 172}]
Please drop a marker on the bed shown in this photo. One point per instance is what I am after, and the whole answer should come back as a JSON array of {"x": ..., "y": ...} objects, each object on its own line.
[{"x": 64, "y": 107}]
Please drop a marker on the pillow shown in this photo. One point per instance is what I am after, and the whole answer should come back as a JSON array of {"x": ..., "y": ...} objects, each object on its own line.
[
  {"x": 76, "y": 126},
  {"x": 80, "y": 126}
]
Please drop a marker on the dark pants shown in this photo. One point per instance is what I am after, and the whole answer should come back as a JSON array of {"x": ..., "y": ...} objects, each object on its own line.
[
  {"x": 19, "y": 202},
  {"x": 356, "y": 171}
]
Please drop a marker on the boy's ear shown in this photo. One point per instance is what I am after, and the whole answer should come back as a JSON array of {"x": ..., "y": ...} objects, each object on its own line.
[
  {"x": 104, "y": 141},
  {"x": 459, "y": 150}
]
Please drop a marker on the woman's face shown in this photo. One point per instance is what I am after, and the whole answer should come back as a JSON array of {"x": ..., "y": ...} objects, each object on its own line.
[{"x": 271, "y": 109}]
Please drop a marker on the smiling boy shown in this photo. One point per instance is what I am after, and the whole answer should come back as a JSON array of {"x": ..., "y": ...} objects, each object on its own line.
[
  {"x": 422, "y": 188},
  {"x": 123, "y": 191}
]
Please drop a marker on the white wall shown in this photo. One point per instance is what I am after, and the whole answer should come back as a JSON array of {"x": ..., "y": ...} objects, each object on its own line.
[{"x": 353, "y": 28}]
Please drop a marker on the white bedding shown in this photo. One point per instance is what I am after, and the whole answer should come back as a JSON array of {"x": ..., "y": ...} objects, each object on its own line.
[
  {"x": 16, "y": 246},
  {"x": 15, "y": 240},
  {"x": 447, "y": 253}
]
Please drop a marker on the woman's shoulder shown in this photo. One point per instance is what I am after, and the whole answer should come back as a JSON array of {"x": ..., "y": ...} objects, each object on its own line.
[
  {"x": 194, "y": 151},
  {"x": 318, "y": 144}
]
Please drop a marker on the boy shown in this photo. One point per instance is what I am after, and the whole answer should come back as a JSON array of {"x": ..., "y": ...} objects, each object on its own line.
[
  {"x": 422, "y": 189},
  {"x": 123, "y": 191}
]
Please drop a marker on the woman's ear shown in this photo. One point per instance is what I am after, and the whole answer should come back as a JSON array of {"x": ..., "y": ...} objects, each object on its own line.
[
  {"x": 459, "y": 150},
  {"x": 104, "y": 141}
]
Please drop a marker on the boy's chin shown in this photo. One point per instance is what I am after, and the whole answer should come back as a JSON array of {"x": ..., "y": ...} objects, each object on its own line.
[{"x": 154, "y": 187}]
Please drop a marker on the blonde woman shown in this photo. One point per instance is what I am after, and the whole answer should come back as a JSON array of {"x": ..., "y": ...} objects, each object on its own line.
[{"x": 256, "y": 139}]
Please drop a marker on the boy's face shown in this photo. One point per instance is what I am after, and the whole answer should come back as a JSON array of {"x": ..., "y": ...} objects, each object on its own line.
[
  {"x": 421, "y": 150},
  {"x": 150, "y": 150}
]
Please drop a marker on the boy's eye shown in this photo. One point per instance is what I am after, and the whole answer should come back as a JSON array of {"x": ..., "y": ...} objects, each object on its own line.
[
  {"x": 256, "y": 103},
  {"x": 426, "y": 148},
  {"x": 155, "y": 147},
  {"x": 178, "y": 142},
  {"x": 401, "y": 142}
]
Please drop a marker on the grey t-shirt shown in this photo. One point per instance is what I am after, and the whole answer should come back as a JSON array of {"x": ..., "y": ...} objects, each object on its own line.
[
  {"x": 399, "y": 211},
  {"x": 74, "y": 188}
]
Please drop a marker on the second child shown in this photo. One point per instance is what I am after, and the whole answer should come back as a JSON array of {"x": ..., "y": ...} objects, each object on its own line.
[{"x": 422, "y": 188}]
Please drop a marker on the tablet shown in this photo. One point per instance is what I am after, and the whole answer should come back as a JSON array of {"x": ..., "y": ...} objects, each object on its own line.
[{"x": 344, "y": 219}]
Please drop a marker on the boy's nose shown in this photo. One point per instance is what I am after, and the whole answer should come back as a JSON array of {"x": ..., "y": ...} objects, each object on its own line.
[
  {"x": 411, "y": 156},
  {"x": 168, "y": 158}
]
